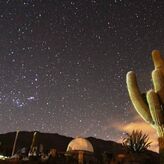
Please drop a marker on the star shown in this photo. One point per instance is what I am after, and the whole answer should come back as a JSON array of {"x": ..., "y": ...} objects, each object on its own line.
[{"x": 63, "y": 64}]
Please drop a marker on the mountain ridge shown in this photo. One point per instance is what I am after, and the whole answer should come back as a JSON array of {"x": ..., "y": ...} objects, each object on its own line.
[
  {"x": 60, "y": 143},
  {"x": 49, "y": 139}
]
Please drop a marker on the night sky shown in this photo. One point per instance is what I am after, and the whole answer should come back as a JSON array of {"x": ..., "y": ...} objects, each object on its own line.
[{"x": 63, "y": 63}]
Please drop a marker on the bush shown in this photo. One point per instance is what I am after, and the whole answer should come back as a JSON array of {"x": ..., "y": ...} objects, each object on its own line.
[{"x": 136, "y": 141}]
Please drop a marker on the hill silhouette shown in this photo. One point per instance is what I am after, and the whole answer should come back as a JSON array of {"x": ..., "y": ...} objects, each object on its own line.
[
  {"x": 60, "y": 143},
  {"x": 50, "y": 140}
]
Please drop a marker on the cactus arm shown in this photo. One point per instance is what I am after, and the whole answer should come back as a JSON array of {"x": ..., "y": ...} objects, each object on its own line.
[
  {"x": 158, "y": 60},
  {"x": 136, "y": 98},
  {"x": 155, "y": 108},
  {"x": 158, "y": 82},
  {"x": 155, "y": 99}
]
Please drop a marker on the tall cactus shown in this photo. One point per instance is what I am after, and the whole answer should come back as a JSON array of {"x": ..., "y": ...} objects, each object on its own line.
[{"x": 151, "y": 109}]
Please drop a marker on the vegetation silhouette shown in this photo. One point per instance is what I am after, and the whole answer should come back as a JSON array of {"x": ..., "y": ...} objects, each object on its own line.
[{"x": 151, "y": 109}]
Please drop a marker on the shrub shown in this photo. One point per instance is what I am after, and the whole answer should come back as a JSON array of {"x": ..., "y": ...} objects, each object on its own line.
[{"x": 136, "y": 141}]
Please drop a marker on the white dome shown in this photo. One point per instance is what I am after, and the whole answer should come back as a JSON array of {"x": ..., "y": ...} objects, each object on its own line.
[{"x": 78, "y": 144}]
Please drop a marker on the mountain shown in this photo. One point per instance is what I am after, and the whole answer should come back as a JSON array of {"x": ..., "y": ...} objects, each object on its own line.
[
  {"x": 60, "y": 143},
  {"x": 56, "y": 141}
]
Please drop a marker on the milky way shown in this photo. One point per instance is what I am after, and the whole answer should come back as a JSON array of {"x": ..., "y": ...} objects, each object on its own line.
[{"x": 63, "y": 64}]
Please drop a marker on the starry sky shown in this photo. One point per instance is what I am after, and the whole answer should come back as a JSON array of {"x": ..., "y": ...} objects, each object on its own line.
[{"x": 63, "y": 63}]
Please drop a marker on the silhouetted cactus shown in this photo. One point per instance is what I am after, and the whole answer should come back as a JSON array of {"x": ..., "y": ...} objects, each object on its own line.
[
  {"x": 151, "y": 109},
  {"x": 136, "y": 141}
]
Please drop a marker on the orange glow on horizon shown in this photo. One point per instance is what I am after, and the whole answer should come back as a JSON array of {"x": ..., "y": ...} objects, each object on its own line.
[{"x": 139, "y": 124}]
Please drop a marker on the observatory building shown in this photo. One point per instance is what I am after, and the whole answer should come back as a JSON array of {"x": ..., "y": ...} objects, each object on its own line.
[{"x": 81, "y": 149}]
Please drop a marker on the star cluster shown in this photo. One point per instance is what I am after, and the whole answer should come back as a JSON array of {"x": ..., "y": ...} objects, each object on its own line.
[{"x": 63, "y": 63}]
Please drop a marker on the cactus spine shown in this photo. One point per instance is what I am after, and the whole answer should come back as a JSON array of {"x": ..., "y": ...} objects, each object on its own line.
[{"x": 151, "y": 110}]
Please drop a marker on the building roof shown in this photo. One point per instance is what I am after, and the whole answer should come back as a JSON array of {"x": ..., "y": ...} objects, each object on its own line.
[{"x": 80, "y": 144}]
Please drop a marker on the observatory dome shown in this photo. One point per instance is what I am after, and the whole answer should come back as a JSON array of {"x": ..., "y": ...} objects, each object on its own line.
[{"x": 80, "y": 144}]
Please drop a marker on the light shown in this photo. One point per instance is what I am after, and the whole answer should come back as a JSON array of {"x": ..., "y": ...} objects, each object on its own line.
[{"x": 3, "y": 157}]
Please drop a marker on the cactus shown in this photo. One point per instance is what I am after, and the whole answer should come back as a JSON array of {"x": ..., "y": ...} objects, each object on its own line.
[
  {"x": 151, "y": 109},
  {"x": 31, "y": 152}
]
